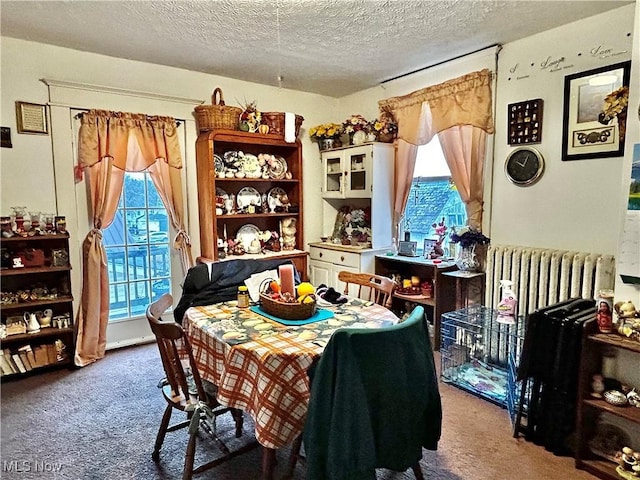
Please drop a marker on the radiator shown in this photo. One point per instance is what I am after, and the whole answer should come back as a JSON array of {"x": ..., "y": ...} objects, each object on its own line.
[
  {"x": 541, "y": 277},
  {"x": 544, "y": 277}
]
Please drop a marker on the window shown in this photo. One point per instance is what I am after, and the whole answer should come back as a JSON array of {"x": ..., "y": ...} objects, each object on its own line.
[
  {"x": 433, "y": 196},
  {"x": 137, "y": 245}
]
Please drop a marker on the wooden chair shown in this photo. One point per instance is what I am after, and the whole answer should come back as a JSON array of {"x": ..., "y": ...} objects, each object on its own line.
[
  {"x": 379, "y": 288},
  {"x": 183, "y": 390}
]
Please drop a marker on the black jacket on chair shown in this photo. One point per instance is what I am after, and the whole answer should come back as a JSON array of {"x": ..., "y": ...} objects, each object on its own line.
[
  {"x": 374, "y": 402},
  {"x": 216, "y": 282}
]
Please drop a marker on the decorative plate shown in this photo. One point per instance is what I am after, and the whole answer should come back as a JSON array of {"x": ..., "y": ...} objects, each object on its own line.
[
  {"x": 233, "y": 158},
  {"x": 277, "y": 167},
  {"x": 218, "y": 164},
  {"x": 274, "y": 198},
  {"x": 246, "y": 196},
  {"x": 608, "y": 440},
  {"x": 250, "y": 166},
  {"x": 359, "y": 137},
  {"x": 247, "y": 234}
]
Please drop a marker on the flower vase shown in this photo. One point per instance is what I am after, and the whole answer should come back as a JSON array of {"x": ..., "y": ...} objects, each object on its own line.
[
  {"x": 325, "y": 144},
  {"x": 386, "y": 137},
  {"x": 466, "y": 261}
]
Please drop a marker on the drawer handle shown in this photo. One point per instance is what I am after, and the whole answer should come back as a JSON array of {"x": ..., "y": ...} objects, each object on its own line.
[
  {"x": 320, "y": 255},
  {"x": 342, "y": 258}
]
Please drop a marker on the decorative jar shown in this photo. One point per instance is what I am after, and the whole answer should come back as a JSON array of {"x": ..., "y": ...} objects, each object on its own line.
[
  {"x": 466, "y": 260},
  {"x": 325, "y": 143}
]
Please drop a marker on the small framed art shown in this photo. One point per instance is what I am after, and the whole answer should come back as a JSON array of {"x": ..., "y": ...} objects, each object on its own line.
[
  {"x": 595, "y": 112},
  {"x": 32, "y": 118}
]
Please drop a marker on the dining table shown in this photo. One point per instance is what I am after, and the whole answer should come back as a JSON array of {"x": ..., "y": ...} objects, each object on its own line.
[{"x": 259, "y": 362}]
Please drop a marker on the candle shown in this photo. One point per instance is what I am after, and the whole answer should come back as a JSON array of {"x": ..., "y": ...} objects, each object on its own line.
[
  {"x": 286, "y": 279},
  {"x": 225, "y": 231}
]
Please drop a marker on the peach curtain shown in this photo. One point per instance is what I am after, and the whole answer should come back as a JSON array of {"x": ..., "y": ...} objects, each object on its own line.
[
  {"x": 109, "y": 144},
  {"x": 449, "y": 109}
]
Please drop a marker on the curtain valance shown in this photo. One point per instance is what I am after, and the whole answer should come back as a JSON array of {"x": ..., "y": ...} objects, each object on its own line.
[
  {"x": 465, "y": 100},
  {"x": 106, "y": 134}
]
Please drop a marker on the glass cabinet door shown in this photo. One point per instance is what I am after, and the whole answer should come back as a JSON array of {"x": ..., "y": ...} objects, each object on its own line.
[
  {"x": 333, "y": 171},
  {"x": 357, "y": 163}
]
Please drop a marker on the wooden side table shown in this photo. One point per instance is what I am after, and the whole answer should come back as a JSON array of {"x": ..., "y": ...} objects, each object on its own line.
[{"x": 469, "y": 287}]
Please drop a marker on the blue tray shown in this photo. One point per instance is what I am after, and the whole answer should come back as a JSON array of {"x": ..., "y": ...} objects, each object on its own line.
[{"x": 321, "y": 314}]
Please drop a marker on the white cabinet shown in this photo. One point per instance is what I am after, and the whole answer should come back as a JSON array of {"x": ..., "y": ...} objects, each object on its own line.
[
  {"x": 360, "y": 177},
  {"x": 353, "y": 172},
  {"x": 327, "y": 261}
]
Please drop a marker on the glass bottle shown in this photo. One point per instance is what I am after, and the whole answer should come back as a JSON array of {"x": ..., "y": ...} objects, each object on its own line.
[{"x": 243, "y": 297}]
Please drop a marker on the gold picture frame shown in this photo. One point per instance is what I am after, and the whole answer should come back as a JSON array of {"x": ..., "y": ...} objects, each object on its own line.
[{"x": 32, "y": 118}]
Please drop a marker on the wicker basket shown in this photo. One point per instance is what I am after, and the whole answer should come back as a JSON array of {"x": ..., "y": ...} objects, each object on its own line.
[
  {"x": 275, "y": 121},
  {"x": 287, "y": 311},
  {"x": 218, "y": 115}
]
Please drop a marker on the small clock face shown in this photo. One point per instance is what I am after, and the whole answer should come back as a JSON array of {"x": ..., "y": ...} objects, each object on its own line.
[{"x": 524, "y": 166}]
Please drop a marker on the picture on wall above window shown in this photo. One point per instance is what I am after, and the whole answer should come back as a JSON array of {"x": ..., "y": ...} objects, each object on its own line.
[
  {"x": 595, "y": 112},
  {"x": 525, "y": 122}
]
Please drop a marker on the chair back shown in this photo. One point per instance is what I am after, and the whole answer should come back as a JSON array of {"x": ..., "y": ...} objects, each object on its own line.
[
  {"x": 377, "y": 288},
  {"x": 171, "y": 340},
  {"x": 374, "y": 401}
]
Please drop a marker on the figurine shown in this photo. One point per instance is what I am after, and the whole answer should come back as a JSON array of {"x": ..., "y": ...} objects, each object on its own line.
[{"x": 597, "y": 386}]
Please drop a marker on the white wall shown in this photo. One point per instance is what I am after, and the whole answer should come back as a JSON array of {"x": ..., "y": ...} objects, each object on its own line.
[{"x": 576, "y": 204}]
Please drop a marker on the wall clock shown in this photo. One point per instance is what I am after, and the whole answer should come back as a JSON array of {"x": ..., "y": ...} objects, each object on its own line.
[{"x": 524, "y": 166}]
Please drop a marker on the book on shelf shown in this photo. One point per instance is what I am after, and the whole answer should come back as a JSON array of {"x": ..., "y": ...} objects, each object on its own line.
[
  {"x": 12, "y": 364},
  {"x": 51, "y": 353},
  {"x": 5, "y": 364},
  {"x": 18, "y": 362},
  {"x": 40, "y": 354},
  {"x": 25, "y": 361}
]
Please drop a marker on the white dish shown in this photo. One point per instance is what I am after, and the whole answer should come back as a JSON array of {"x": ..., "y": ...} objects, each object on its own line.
[
  {"x": 247, "y": 233},
  {"x": 247, "y": 196},
  {"x": 250, "y": 166}
]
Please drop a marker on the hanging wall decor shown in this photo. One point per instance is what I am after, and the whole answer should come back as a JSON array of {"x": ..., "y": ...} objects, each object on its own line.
[
  {"x": 32, "y": 118},
  {"x": 525, "y": 122},
  {"x": 595, "y": 112}
]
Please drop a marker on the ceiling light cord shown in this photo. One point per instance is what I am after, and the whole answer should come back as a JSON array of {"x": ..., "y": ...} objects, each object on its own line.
[{"x": 279, "y": 77}]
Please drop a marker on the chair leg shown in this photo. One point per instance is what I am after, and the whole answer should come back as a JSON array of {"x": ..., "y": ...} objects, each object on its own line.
[
  {"x": 189, "y": 457},
  {"x": 295, "y": 455},
  {"x": 166, "y": 418},
  {"x": 268, "y": 463},
  {"x": 239, "y": 419},
  {"x": 417, "y": 471}
]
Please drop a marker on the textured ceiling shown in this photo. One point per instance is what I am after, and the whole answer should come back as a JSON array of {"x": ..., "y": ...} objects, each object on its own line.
[{"x": 331, "y": 47}]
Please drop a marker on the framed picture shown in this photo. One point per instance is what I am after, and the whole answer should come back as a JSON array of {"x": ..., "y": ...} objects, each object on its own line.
[
  {"x": 429, "y": 245},
  {"x": 32, "y": 118},
  {"x": 595, "y": 112}
]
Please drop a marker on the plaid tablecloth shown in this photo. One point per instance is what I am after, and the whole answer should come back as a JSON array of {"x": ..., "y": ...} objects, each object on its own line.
[{"x": 260, "y": 366}]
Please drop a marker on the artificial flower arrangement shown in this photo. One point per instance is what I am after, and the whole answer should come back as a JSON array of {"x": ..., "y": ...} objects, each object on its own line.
[
  {"x": 357, "y": 224},
  {"x": 615, "y": 106},
  {"x": 441, "y": 231},
  {"x": 384, "y": 127},
  {"x": 250, "y": 118},
  {"x": 356, "y": 123},
  {"x": 325, "y": 131},
  {"x": 468, "y": 237}
]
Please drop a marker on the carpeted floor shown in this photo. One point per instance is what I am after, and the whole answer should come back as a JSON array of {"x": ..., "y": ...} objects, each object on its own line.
[{"x": 100, "y": 423}]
